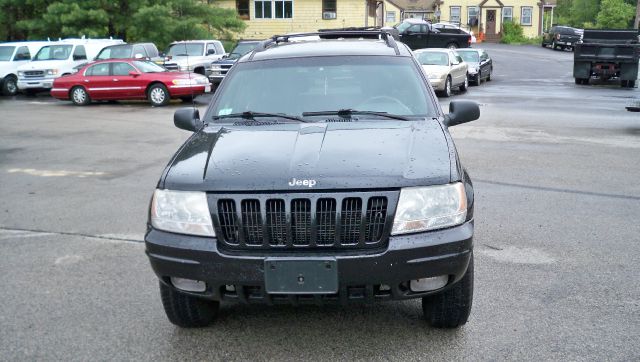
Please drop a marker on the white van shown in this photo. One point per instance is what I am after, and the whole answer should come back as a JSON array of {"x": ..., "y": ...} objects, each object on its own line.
[
  {"x": 57, "y": 59},
  {"x": 12, "y": 56}
]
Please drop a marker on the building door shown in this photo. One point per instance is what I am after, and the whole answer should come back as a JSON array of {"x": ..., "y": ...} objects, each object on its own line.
[{"x": 490, "y": 22}]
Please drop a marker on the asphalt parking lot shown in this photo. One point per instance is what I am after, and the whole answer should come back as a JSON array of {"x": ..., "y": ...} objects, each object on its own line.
[{"x": 555, "y": 169}]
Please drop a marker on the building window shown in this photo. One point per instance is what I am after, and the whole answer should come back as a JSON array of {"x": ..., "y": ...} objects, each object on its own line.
[
  {"x": 391, "y": 17},
  {"x": 329, "y": 9},
  {"x": 507, "y": 14},
  {"x": 525, "y": 17},
  {"x": 472, "y": 16},
  {"x": 273, "y": 9},
  {"x": 455, "y": 14},
  {"x": 242, "y": 6}
]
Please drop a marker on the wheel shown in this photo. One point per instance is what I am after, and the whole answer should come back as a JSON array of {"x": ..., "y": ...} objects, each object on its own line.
[
  {"x": 623, "y": 84},
  {"x": 452, "y": 46},
  {"x": 447, "y": 88},
  {"x": 631, "y": 84},
  {"x": 10, "y": 86},
  {"x": 489, "y": 76},
  {"x": 543, "y": 44},
  {"x": 79, "y": 96},
  {"x": 578, "y": 80},
  {"x": 158, "y": 95},
  {"x": 451, "y": 308},
  {"x": 478, "y": 79},
  {"x": 186, "y": 311},
  {"x": 465, "y": 85},
  {"x": 553, "y": 45}
]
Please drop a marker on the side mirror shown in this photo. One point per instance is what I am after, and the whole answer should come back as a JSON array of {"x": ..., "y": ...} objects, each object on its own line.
[
  {"x": 211, "y": 52},
  {"x": 133, "y": 73},
  {"x": 461, "y": 112},
  {"x": 187, "y": 119}
]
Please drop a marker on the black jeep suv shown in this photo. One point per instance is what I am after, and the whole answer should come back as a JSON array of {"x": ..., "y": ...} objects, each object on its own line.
[{"x": 322, "y": 171}]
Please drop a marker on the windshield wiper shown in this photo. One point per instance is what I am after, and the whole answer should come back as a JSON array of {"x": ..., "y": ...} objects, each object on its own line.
[
  {"x": 252, "y": 115},
  {"x": 349, "y": 112}
]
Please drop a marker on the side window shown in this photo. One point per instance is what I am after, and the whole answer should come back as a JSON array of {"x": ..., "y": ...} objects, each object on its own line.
[
  {"x": 219, "y": 48},
  {"x": 121, "y": 69},
  {"x": 459, "y": 59},
  {"x": 98, "y": 70},
  {"x": 423, "y": 28},
  {"x": 211, "y": 48},
  {"x": 415, "y": 28},
  {"x": 139, "y": 49},
  {"x": 22, "y": 54},
  {"x": 79, "y": 53},
  {"x": 151, "y": 50}
]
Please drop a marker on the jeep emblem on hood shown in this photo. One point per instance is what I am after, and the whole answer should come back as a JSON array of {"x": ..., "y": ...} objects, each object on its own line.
[{"x": 308, "y": 183}]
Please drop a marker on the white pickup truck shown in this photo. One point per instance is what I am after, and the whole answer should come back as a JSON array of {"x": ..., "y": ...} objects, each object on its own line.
[
  {"x": 193, "y": 55},
  {"x": 57, "y": 59},
  {"x": 12, "y": 56}
]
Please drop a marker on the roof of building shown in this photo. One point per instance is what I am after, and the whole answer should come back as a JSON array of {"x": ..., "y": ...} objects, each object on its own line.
[{"x": 414, "y": 5}]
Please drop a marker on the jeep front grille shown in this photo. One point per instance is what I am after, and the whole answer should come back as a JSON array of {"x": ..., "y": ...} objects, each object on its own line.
[{"x": 351, "y": 220}]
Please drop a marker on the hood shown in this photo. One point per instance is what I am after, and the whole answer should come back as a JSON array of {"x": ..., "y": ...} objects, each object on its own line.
[
  {"x": 44, "y": 64},
  {"x": 436, "y": 69},
  {"x": 225, "y": 61},
  {"x": 354, "y": 155}
]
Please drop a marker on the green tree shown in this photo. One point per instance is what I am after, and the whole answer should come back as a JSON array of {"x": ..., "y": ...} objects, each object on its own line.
[
  {"x": 615, "y": 14},
  {"x": 169, "y": 20},
  {"x": 583, "y": 11}
]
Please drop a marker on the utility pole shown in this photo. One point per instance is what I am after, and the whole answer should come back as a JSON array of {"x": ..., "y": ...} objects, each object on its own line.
[{"x": 637, "y": 21}]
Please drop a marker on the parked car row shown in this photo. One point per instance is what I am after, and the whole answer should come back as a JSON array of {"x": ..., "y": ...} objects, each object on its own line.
[{"x": 448, "y": 69}]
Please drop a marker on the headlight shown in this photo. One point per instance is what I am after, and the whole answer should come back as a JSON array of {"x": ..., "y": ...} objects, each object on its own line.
[
  {"x": 184, "y": 212},
  {"x": 430, "y": 208},
  {"x": 52, "y": 71},
  {"x": 473, "y": 70},
  {"x": 435, "y": 75}
]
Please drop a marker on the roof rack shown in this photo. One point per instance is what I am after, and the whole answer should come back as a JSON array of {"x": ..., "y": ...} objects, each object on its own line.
[{"x": 351, "y": 33}]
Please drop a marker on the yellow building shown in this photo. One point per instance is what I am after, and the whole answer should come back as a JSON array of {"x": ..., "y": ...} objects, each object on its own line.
[{"x": 265, "y": 18}]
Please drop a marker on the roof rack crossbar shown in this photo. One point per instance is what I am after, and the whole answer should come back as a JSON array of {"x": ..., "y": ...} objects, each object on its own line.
[{"x": 331, "y": 34}]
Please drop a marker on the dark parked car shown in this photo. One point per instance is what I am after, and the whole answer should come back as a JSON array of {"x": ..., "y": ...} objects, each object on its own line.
[
  {"x": 219, "y": 68},
  {"x": 146, "y": 51},
  {"x": 480, "y": 64},
  {"x": 322, "y": 172},
  {"x": 419, "y": 34},
  {"x": 561, "y": 37}
]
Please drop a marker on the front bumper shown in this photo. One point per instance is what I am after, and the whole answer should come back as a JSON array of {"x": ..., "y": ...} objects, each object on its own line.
[
  {"x": 35, "y": 83},
  {"x": 361, "y": 273}
]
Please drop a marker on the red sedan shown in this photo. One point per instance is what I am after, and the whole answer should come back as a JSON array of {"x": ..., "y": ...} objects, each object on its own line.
[{"x": 119, "y": 79}]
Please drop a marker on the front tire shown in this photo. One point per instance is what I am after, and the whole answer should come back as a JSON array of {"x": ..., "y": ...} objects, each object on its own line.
[
  {"x": 186, "y": 311},
  {"x": 478, "y": 79},
  {"x": 447, "y": 88},
  {"x": 452, "y": 46},
  {"x": 79, "y": 96},
  {"x": 465, "y": 85},
  {"x": 158, "y": 95},
  {"x": 451, "y": 308},
  {"x": 10, "y": 86}
]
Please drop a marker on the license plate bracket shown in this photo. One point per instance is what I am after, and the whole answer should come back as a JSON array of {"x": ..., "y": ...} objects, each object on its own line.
[{"x": 301, "y": 276}]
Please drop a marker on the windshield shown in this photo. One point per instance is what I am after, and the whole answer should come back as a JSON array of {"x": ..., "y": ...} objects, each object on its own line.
[
  {"x": 241, "y": 49},
  {"x": 470, "y": 56},
  {"x": 116, "y": 52},
  {"x": 146, "y": 66},
  {"x": 54, "y": 52},
  {"x": 433, "y": 58},
  {"x": 184, "y": 49},
  {"x": 315, "y": 84},
  {"x": 6, "y": 53},
  {"x": 402, "y": 26}
]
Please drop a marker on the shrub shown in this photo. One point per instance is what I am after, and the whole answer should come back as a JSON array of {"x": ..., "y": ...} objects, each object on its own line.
[{"x": 513, "y": 33}]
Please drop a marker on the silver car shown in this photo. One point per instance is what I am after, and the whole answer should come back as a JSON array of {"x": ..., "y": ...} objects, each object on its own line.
[{"x": 445, "y": 69}]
